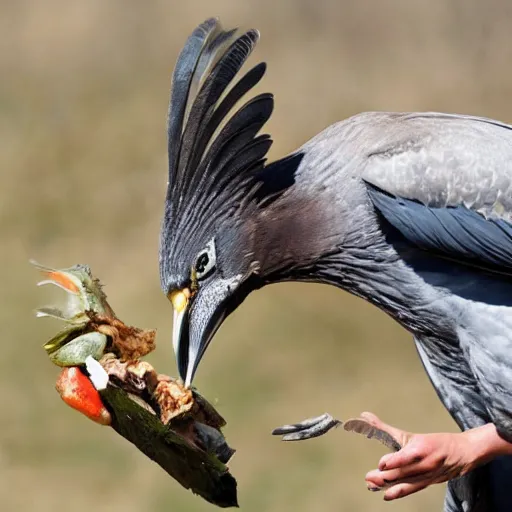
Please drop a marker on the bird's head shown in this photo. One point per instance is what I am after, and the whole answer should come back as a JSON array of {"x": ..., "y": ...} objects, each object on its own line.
[
  {"x": 207, "y": 257},
  {"x": 205, "y": 283}
]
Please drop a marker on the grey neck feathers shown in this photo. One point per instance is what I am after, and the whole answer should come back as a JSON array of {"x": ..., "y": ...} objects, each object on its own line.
[
  {"x": 324, "y": 229},
  {"x": 381, "y": 278},
  {"x": 368, "y": 267}
]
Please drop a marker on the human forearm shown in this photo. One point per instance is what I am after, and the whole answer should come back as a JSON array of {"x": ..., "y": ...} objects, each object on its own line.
[{"x": 486, "y": 444}]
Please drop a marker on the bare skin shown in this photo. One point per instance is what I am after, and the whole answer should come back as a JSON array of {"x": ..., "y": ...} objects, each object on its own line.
[
  {"x": 417, "y": 460},
  {"x": 427, "y": 459}
]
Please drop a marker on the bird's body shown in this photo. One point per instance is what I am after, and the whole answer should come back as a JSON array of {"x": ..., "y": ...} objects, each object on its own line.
[
  {"x": 444, "y": 290},
  {"x": 460, "y": 313},
  {"x": 412, "y": 212}
]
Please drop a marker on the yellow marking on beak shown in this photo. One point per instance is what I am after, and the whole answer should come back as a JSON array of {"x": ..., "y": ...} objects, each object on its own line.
[{"x": 179, "y": 299}]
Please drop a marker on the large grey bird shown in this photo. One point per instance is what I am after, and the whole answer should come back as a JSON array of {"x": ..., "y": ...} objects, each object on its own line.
[{"x": 410, "y": 211}]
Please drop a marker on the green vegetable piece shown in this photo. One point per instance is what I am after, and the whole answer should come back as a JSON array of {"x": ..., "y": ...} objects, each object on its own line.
[{"x": 74, "y": 352}]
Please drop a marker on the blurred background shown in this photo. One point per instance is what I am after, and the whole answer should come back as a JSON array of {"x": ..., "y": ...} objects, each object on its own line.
[{"x": 83, "y": 100}]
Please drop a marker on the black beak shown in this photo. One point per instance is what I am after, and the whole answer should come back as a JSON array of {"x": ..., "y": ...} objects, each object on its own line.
[
  {"x": 197, "y": 344},
  {"x": 196, "y": 320},
  {"x": 195, "y": 324}
]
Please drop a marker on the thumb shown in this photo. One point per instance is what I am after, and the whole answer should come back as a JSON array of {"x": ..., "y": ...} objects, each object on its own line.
[{"x": 400, "y": 436}]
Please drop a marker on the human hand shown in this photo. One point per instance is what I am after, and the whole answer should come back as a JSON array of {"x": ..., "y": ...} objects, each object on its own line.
[
  {"x": 418, "y": 460},
  {"x": 424, "y": 459}
]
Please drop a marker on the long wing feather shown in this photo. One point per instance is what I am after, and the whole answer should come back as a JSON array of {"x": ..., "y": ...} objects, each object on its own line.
[
  {"x": 247, "y": 82},
  {"x": 455, "y": 232},
  {"x": 445, "y": 183},
  {"x": 181, "y": 82},
  {"x": 202, "y": 108}
]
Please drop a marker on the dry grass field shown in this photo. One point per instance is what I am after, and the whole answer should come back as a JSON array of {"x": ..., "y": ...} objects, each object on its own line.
[{"x": 83, "y": 100}]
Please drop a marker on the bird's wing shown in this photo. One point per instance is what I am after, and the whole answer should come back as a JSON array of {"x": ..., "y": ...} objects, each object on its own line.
[{"x": 445, "y": 183}]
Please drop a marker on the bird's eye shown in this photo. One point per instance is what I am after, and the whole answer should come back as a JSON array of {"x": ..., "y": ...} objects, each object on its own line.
[
  {"x": 202, "y": 263},
  {"x": 205, "y": 261}
]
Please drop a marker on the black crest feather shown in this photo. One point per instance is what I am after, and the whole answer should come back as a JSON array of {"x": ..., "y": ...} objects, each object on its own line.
[{"x": 214, "y": 156}]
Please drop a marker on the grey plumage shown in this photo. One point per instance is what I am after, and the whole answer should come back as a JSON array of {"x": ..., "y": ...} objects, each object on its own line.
[
  {"x": 209, "y": 172},
  {"x": 412, "y": 212}
]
